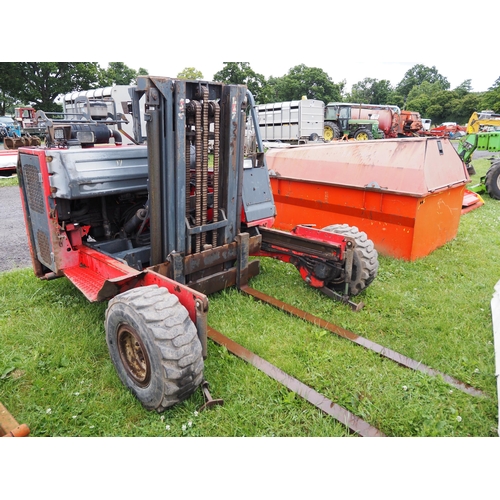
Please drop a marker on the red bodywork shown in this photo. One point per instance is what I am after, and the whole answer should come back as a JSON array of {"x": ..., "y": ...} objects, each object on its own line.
[
  {"x": 410, "y": 123},
  {"x": 98, "y": 276},
  {"x": 335, "y": 244},
  {"x": 444, "y": 131},
  {"x": 26, "y": 116},
  {"x": 8, "y": 161}
]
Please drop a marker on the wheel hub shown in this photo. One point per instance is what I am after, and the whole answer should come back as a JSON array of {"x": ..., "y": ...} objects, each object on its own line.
[{"x": 133, "y": 355}]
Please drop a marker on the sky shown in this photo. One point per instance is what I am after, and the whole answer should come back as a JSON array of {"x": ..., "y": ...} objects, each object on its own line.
[{"x": 349, "y": 40}]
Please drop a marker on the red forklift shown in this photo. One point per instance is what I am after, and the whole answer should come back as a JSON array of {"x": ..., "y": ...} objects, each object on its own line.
[{"x": 155, "y": 226}]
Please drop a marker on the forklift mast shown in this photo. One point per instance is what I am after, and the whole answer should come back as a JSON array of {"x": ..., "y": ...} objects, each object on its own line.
[{"x": 194, "y": 205}]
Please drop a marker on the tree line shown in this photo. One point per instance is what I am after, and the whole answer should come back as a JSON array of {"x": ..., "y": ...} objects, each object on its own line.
[
  {"x": 422, "y": 88},
  {"x": 40, "y": 83}
]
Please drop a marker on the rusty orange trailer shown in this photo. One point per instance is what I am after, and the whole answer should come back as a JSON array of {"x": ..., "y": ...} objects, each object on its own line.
[{"x": 406, "y": 194}]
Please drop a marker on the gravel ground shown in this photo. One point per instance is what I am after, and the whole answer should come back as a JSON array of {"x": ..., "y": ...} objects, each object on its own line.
[{"x": 14, "y": 249}]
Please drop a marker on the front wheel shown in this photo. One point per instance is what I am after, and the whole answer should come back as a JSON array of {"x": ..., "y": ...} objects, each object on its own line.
[
  {"x": 492, "y": 180},
  {"x": 363, "y": 134},
  {"x": 365, "y": 260},
  {"x": 154, "y": 346}
]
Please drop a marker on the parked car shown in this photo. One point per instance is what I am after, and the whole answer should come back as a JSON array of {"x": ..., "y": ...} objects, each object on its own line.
[{"x": 9, "y": 127}]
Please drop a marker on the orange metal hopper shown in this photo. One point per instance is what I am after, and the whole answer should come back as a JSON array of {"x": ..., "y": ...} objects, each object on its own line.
[{"x": 406, "y": 194}]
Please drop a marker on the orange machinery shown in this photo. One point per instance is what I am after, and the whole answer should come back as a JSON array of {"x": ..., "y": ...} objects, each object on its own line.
[{"x": 406, "y": 194}]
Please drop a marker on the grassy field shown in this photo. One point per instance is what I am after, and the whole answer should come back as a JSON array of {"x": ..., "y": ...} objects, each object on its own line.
[{"x": 56, "y": 375}]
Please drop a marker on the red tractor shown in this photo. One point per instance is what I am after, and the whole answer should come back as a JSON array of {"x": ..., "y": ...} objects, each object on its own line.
[
  {"x": 28, "y": 121},
  {"x": 156, "y": 228}
]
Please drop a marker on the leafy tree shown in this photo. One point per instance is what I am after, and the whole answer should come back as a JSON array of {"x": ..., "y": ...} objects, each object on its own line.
[
  {"x": 190, "y": 74},
  {"x": 491, "y": 98},
  {"x": 417, "y": 75},
  {"x": 371, "y": 91},
  {"x": 426, "y": 98},
  {"x": 431, "y": 101},
  {"x": 311, "y": 82},
  {"x": 242, "y": 74},
  {"x": 464, "y": 88},
  {"x": 496, "y": 84},
  {"x": 11, "y": 83},
  {"x": 424, "y": 88},
  {"x": 420, "y": 104},
  {"x": 462, "y": 107},
  {"x": 39, "y": 83},
  {"x": 396, "y": 99},
  {"x": 118, "y": 73}
]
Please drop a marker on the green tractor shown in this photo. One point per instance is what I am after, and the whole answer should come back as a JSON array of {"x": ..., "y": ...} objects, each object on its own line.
[
  {"x": 339, "y": 125},
  {"x": 483, "y": 141}
]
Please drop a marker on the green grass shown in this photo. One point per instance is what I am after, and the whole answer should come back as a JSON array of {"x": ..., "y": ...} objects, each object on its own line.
[
  {"x": 8, "y": 181},
  {"x": 56, "y": 375}
]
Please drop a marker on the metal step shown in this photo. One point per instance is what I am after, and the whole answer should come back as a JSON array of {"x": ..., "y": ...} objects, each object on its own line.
[{"x": 86, "y": 280}]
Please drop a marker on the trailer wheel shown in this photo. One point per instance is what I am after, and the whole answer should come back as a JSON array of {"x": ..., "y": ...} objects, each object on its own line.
[
  {"x": 363, "y": 134},
  {"x": 154, "y": 346},
  {"x": 331, "y": 131},
  {"x": 492, "y": 180},
  {"x": 365, "y": 259}
]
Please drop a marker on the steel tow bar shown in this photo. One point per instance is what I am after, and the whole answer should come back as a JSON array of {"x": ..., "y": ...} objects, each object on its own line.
[
  {"x": 345, "y": 417},
  {"x": 368, "y": 344}
]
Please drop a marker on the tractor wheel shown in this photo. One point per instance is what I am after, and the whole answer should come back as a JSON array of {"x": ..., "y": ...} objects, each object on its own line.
[
  {"x": 471, "y": 170},
  {"x": 363, "y": 134},
  {"x": 365, "y": 259},
  {"x": 154, "y": 346},
  {"x": 331, "y": 131},
  {"x": 492, "y": 180}
]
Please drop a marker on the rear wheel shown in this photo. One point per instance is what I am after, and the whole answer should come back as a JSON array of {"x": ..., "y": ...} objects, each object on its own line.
[
  {"x": 154, "y": 346},
  {"x": 365, "y": 260},
  {"x": 363, "y": 134},
  {"x": 492, "y": 180},
  {"x": 471, "y": 170},
  {"x": 331, "y": 131}
]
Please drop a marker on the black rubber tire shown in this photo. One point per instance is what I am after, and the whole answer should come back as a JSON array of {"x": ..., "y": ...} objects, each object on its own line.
[
  {"x": 471, "y": 170},
  {"x": 154, "y": 346},
  {"x": 492, "y": 180},
  {"x": 363, "y": 134},
  {"x": 331, "y": 131},
  {"x": 365, "y": 261}
]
